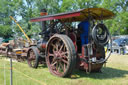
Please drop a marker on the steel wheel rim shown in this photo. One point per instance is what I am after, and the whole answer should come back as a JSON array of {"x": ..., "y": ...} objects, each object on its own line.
[{"x": 57, "y": 56}]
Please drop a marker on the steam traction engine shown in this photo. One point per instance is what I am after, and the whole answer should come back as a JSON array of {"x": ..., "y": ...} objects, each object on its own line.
[{"x": 60, "y": 47}]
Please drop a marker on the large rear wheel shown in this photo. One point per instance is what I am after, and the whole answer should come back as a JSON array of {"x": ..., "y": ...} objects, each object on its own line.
[{"x": 60, "y": 55}]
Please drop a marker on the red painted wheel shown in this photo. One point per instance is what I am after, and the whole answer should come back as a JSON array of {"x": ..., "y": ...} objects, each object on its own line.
[
  {"x": 60, "y": 55},
  {"x": 33, "y": 57}
]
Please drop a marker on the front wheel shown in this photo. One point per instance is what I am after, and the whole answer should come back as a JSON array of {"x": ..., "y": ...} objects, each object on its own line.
[
  {"x": 33, "y": 57},
  {"x": 60, "y": 55}
]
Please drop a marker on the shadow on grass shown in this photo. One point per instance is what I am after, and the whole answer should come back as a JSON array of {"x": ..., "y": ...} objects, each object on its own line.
[
  {"x": 106, "y": 73},
  {"x": 41, "y": 66}
]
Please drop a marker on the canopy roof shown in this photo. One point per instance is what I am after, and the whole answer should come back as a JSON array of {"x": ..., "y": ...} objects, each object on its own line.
[{"x": 83, "y": 14}]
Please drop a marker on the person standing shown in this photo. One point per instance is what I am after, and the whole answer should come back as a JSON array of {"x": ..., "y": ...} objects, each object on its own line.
[{"x": 84, "y": 27}]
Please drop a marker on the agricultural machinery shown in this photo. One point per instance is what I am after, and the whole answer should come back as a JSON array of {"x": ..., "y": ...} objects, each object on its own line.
[
  {"x": 61, "y": 46},
  {"x": 65, "y": 46}
]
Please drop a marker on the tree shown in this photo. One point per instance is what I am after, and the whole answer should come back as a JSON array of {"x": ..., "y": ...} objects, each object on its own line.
[
  {"x": 5, "y": 31},
  {"x": 27, "y": 9},
  {"x": 118, "y": 25},
  {"x": 6, "y": 9}
]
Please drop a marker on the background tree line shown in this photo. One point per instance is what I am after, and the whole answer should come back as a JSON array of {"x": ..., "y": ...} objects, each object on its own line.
[{"x": 23, "y": 10}]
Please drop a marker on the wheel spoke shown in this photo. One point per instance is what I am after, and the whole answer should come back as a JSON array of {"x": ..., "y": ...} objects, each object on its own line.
[
  {"x": 53, "y": 45},
  {"x": 61, "y": 47},
  {"x": 64, "y": 53},
  {"x": 58, "y": 43},
  {"x": 64, "y": 48},
  {"x": 54, "y": 63},
  {"x": 51, "y": 54},
  {"x": 62, "y": 67},
  {"x": 63, "y": 60},
  {"x": 59, "y": 67},
  {"x": 53, "y": 68},
  {"x": 57, "y": 47},
  {"x": 29, "y": 59},
  {"x": 33, "y": 62}
]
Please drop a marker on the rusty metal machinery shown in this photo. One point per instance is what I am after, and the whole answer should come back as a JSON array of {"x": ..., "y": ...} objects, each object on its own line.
[
  {"x": 17, "y": 48},
  {"x": 60, "y": 46}
]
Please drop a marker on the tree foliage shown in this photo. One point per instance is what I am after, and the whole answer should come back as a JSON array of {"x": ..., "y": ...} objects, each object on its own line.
[
  {"x": 24, "y": 10},
  {"x": 7, "y": 8}
]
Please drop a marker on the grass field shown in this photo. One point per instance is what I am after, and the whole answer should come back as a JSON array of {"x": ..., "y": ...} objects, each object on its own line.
[{"x": 115, "y": 73}]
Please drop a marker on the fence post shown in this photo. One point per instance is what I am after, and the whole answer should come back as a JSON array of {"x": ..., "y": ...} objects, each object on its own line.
[{"x": 11, "y": 77}]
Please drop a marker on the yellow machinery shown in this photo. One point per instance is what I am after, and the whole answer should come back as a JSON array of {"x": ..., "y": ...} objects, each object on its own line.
[{"x": 21, "y": 29}]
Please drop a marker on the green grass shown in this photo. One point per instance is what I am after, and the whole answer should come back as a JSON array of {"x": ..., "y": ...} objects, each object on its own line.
[{"x": 115, "y": 73}]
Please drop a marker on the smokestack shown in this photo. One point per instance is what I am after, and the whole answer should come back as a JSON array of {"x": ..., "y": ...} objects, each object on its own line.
[{"x": 43, "y": 12}]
